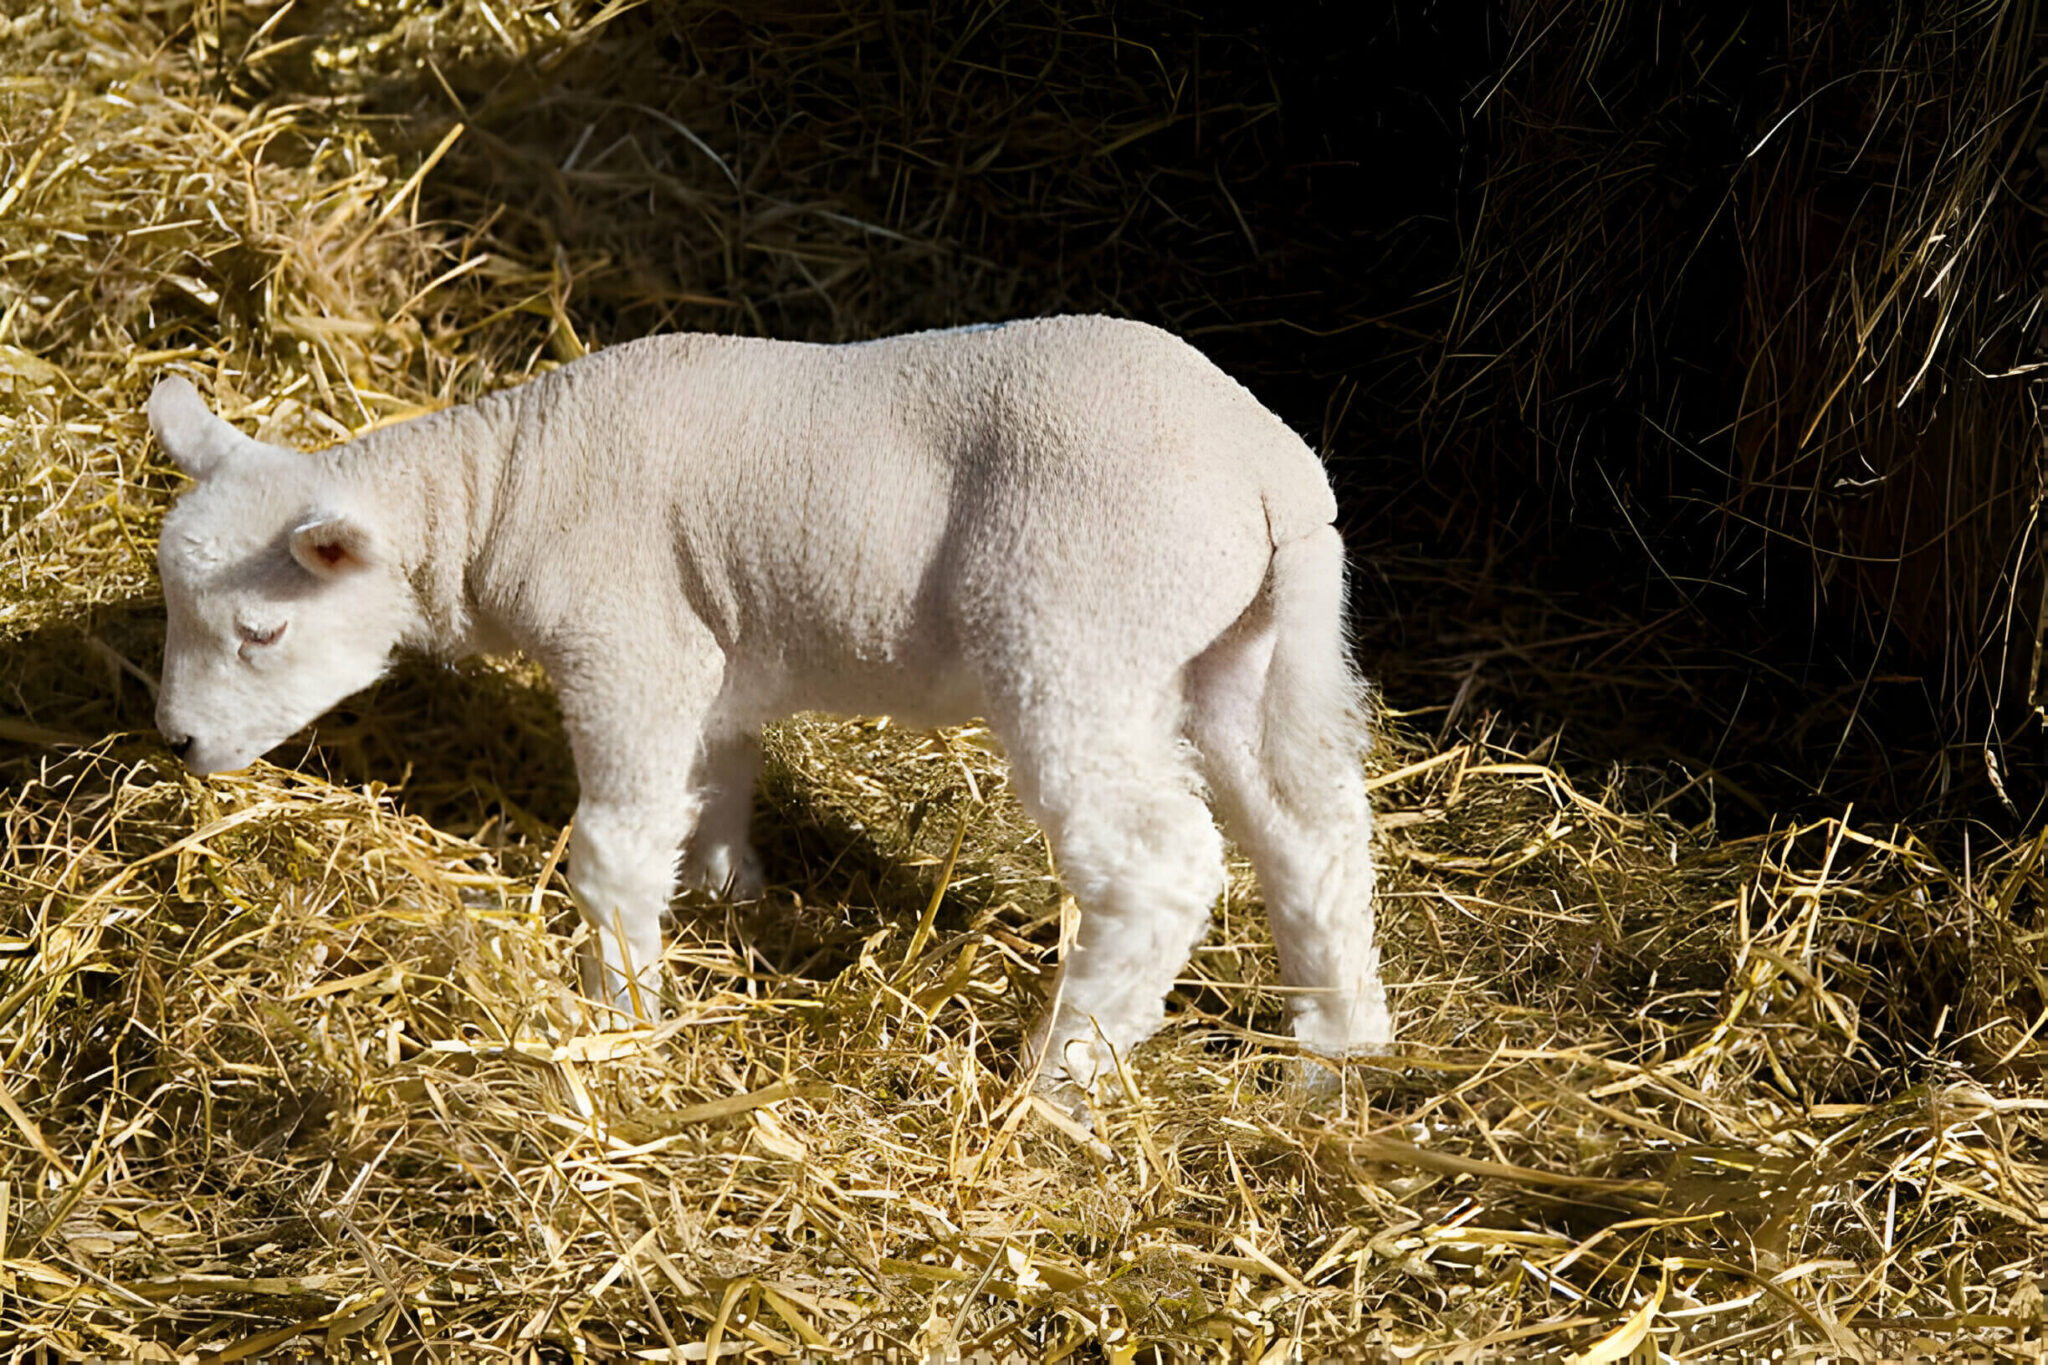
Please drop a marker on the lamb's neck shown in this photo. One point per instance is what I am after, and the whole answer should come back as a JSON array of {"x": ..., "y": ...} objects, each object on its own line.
[{"x": 438, "y": 478}]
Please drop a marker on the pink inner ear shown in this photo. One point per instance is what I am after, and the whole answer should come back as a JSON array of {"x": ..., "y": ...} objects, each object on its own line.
[{"x": 331, "y": 552}]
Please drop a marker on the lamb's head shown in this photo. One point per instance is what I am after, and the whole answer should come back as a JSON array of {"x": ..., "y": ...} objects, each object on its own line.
[{"x": 282, "y": 596}]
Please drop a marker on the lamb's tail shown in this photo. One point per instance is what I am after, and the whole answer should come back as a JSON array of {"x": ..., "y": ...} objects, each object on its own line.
[{"x": 1315, "y": 723}]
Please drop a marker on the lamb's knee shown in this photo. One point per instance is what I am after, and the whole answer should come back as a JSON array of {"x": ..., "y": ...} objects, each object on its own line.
[
  {"x": 1145, "y": 881},
  {"x": 622, "y": 859}
]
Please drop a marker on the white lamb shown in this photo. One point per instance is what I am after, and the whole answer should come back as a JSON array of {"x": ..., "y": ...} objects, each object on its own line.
[{"x": 1077, "y": 528}]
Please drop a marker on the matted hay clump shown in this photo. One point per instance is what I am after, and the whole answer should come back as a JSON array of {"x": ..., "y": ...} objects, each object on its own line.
[{"x": 290, "y": 1063}]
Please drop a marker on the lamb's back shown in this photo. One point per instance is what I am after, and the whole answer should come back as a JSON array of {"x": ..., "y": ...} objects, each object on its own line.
[{"x": 900, "y": 489}]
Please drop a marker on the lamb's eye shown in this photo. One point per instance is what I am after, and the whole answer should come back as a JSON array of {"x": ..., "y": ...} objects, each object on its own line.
[{"x": 253, "y": 636}]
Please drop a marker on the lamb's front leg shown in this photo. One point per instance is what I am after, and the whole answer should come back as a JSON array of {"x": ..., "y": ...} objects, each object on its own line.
[
  {"x": 637, "y": 732},
  {"x": 622, "y": 870},
  {"x": 721, "y": 857}
]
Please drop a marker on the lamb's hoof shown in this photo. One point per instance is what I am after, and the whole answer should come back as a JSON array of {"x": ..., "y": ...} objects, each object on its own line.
[
  {"x": 727, "y": 872},
  {"x": 1065, "y": 1108},
  {"x": 1067, "y": 1101},
  {"x": 1313, "y": 1082},
  {"x": 1320, "y": 1083}
]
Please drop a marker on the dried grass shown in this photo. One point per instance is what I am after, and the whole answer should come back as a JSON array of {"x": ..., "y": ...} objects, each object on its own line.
[
  {"x": 289, "y": 1064},
  {"x": 285, "y": 1063}
]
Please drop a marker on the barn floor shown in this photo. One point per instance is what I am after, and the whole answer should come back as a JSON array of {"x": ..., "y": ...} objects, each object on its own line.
[{"x": 290, "y": 1063}]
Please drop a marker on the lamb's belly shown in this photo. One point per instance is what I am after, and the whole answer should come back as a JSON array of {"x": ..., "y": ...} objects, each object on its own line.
[
  {"x": 941, "y": 692},
  {"x": 918, "y": 701}
]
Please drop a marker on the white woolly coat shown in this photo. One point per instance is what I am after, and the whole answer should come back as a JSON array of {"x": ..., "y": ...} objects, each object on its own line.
[
  {"x": 866, "y": 528},
  {"x": 1077, "y": 528}
]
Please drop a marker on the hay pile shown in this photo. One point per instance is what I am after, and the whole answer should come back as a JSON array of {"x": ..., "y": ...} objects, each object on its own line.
[
  {"x": 1748, "y": 303},
  {"x": 289, "y": 1063}
]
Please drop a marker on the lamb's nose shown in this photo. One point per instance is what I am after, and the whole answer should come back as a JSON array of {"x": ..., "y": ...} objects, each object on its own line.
[{"x": 180, "y": 745}]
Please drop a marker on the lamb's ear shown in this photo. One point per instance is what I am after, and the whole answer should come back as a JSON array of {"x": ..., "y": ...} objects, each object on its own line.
[
  {"x": 332, "y": 546},
  {"x": 189, "y": 431}
]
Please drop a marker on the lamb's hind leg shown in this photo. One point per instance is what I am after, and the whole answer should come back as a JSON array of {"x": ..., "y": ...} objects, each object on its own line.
[
  {"x": 1119, "y": 799},
  {"x": 1283, "y": 757}
]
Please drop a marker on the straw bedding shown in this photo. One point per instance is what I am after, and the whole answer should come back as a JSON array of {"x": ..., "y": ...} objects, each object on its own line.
[{"x": 290, "y": 1062}]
